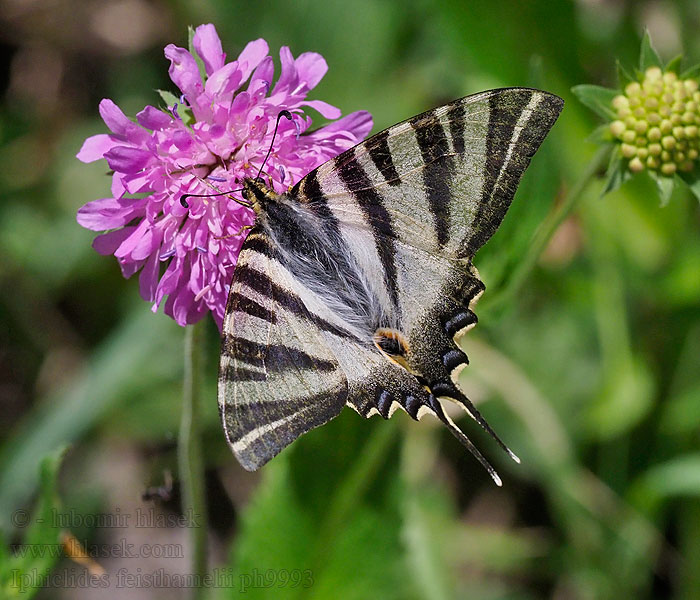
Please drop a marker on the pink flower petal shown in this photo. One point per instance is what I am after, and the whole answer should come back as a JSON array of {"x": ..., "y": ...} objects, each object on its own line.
[
  {"x": 288, "y": 75},
  {"x": 358, "y": 123},
  {"x": 107, "y": 243},
  {"x": 154, "y": 119},
  {"x": 94, "y": 147},
  {"x": 119, "y": 124},
  {"x": 126, "y": 159},
  {"x": 263, "y": 72},
  {"x": 141, "y": 231},
  {"x": 109, "y": 213},
  {"x": 148, "y": 279},
  {"x": 226, "y": 79},
  {"x": 327, "y": 110},
  {"x": 208, "y": 46},
  {"x": 311, "y": 67},
  {"x": 184, "y": 71},
  {"x": 252, "y": 55},
  {"x": 118, "y": 188}
]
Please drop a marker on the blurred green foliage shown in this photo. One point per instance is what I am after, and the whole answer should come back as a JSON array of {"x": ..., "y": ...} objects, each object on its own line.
[{"x": 590, "y": 372}]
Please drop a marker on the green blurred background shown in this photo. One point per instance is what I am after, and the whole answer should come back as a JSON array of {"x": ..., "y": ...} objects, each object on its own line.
[{"x": 590, "y": 372}]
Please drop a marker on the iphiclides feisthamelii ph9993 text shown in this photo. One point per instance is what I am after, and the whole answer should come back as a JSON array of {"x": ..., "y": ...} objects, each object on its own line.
[{"x": 352, "y": 287}]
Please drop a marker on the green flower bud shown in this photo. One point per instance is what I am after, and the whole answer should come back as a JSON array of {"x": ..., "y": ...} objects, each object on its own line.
[
  {"x": 637, "y": 165},
  {"x": 629, "y": 136},
  {"x": 633, "y": 89},
  {"x": 657, "y": 122},
  {"x": 668, "y": 169},
  {"x": 620, "y": 102},
  {"x": 617, "y": 128},
  {"x": 670, "y": 77},
  {"x": 628, "y": 150},
  {"x": 641, "y": 126}
]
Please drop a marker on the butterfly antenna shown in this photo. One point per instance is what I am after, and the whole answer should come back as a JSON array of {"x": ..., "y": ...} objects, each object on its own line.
[
  {"x": 287, "y": 115},
  {"x": 183, "y": 198}
]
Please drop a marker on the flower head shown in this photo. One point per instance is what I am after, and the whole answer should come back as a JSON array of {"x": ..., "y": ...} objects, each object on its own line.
[
  {"x": 653, "y": 122},
  {"x": 206, "y": 141},
  {"x": 657, "y": 122}
]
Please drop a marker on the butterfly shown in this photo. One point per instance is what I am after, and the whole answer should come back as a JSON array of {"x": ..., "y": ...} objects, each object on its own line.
[{"x": 353, "y": 287}]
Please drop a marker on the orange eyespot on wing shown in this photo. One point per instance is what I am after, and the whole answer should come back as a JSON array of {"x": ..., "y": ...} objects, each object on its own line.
[{"x": 392, "y": 344}]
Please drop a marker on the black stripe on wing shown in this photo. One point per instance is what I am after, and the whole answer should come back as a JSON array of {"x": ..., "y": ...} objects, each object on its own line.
[
  {"x": 455, "y": 116},
  {"x": 437, "y": 171},
  {"x": 379, "y": 152},
  {"x": 271, "y": 425},
  {"x": 286, "y": 299},
  {"x": 508, "y": 153},
  {"x": 358, "y": 183},
  {"x": 242, "y": 303},
  {"x": 274, "y": 357}
]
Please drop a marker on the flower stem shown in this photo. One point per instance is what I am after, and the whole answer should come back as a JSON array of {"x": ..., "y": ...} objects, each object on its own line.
[
  {"x": 190, "y": 460},
  {"x": 546, "y": 231}
]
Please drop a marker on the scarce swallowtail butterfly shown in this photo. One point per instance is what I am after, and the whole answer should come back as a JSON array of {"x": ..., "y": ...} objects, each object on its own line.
[{"x": 353, "y": 287}]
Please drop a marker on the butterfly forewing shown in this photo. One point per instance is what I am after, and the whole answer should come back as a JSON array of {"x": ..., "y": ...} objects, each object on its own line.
[{"x": 405, "y": 211}]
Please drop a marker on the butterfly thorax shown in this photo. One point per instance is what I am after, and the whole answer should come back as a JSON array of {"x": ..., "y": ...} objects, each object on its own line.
[{"x": 309, "y": 246}]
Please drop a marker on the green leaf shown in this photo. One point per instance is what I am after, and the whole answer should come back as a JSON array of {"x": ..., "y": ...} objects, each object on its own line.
[
  {"x": 648, "y": 57},
  {"x": 281, "y": 531},
  {"x": 617, "y": 174},
  {"x": 427, "y": 528},
  {"x": 679, "y": 476},
  {"x": 193, "y": 52},
  {"x": 170, "y": 99},
  {"x": 691, "y": 72},
  {"x": 692, "y": 180},
  {"x": 674, "y": 65},
  {"x": 40, "y": 547},
  {"x": 682, "y": 412},
  {"x": 665, "y": 186},
  {"x": 597, "y": 98},
  {"x": 600, "y": 135},
  {"x": 626, "y": 398},
  {"x": 623, "y": 76}
]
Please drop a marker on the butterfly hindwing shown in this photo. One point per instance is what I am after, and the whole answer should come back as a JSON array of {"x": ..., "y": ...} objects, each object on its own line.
[{"x": 277, "y": 377}]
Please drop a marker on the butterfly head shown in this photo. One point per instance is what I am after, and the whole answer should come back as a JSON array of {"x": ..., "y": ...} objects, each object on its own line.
[{"x": 258, "y": 194}]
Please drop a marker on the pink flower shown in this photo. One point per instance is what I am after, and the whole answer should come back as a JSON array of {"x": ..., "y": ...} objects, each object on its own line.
[{"x": 217, "y": 133}]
